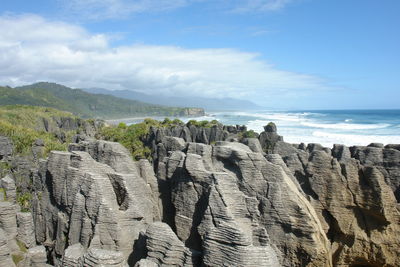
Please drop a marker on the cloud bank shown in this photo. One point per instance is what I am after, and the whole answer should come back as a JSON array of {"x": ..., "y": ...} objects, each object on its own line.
[{"x": 34, "y": 49}]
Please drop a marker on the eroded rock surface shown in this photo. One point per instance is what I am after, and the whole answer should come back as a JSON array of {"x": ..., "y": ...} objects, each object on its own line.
[
  {"x": 354, "y": 200},
  {"x": 208, "y": 200},
  {"x": 5, "y": 253},
  {"x": 165, "y": 249},
  {"x": 101, "y": 206},
  {"x": 239, "y": 209}
]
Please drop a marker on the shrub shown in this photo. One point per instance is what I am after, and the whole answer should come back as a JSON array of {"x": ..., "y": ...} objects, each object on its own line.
[
  {"x": 205, "y": 123},
  {"x": 24, "y": 124},
  {"x": 24, "y": 201},
  {"x": 133, "y": 136},
  {"x": 249, "y": 134}
]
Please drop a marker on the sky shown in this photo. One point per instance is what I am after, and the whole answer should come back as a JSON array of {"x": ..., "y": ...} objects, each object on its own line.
[{"x": 280, "y": 54}]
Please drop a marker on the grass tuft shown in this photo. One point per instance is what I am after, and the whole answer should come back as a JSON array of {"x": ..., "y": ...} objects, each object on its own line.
[{"x": 17, "y": 258}]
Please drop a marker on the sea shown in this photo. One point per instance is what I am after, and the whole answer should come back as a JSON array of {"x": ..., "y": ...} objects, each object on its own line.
[{"x": 326, "y": 127}]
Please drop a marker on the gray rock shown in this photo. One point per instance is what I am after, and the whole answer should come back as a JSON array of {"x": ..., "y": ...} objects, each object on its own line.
[
  {"x": 284, "y": 149},
  {"x": 8, "y": 219},
  {"x": 353, "y": 203},
  {"x": 104, "y": 258},
  {"x": 173, "y": 143},
  {"x": 253, "y": 144},
  {"x": 226, "y": 204},
  {"x": 6, "y": 147},
  {"x": 36, "y": 257},
  {"x": 269, "y": 138},
  {"x": 270, "y": 128},
  {"x": 142, "y": 185},
  {"x": 378, "y": 145},
  {"x": 101, "y": 204},
  {"x": 38, "y": 149},
  {"x": 8, "y": 184},
  {"x": 164, "y": 248},
  {"x": 385, "y": 159},
  {"x": 74, "y": 256},
  {"x": 5, "y": 256},
  {"x": 146, "y": 263},
  {"x": 341, "y": 152},
  {"x": 393, "y": 146},
  {"x": 241, "y": 210},
  {"x": 26, "y": 232}
]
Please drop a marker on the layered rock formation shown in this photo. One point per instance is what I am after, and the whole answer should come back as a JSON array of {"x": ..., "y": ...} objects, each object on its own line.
[
  {"x": 209, "y": 200},
  {"x": 100, "y": 206},
  {"x": 16, "y": 228},
  {"x": 239, "y": 209}
]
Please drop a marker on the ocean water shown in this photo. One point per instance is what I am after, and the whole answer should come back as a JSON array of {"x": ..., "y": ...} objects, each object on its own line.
[{"x": 327, "y": 127}]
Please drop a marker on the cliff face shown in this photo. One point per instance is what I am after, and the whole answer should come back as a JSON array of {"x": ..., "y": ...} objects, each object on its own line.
[
  {"x": 192, "y": 112},
  {"x": 212, "y": 202}
]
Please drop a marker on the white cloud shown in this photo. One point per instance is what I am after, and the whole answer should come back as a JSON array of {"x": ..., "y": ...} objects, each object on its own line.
[
  {"x": 106, "y": 9},
  {"x": 34, "y": 49},
  {"x": 260, "y": 5}
]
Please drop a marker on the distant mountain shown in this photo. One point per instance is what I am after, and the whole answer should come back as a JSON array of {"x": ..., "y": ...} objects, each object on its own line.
[
  {"x": 176, "y": 101},
  {"x": 85, "y": 104}
]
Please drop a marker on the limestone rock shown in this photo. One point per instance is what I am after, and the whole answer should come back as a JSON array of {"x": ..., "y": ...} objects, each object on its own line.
[
  {"x": 356, "y": 207},
  {"x": 74, "y": 256},
  {"x": 8, "y": 219},
  {"x": 8, "y": 184},
  {"x": 164, "y": 248},
  {"x": 262, "y": 202},
  {"x": 38, "y": 149},
  {"x": 241, "y": 210},
  {"x": 385, "y": 159},
  {"x": 36, "y": 257},
  {"x": 104, "y": 258},
  {"x": 253, "y": 144},
  {"x": 142, "y": 182},
  {"x": 146, "y": 263},
  {"x": 269, "y": 137},
  {"x": 6, "y": 147},
  {"x": 97, "y": 205},
  {"x": 5, "y": 256},
  {"x": 26, "y": 232}
]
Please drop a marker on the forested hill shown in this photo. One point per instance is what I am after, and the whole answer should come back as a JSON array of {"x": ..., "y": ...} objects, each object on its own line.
[{"x": 85, "y": 104}]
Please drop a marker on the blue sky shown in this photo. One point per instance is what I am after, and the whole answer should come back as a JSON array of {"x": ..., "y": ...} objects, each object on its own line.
[{"x": 288, "y": 54}]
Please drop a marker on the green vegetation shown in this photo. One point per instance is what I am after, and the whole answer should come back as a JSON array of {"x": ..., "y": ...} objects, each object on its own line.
[
  {"x": 249, "y": 134},
  {"x": 23, "y": 138},
  {"x": 22, "y": 246},
  {"x": 4, "y": 165},
  {"x": 24, "y": 125},
  {"x": 30, "y": 116},
  {"x": 205, "y": 124},
  {"x": 24, "y": 201},
  {"x": 17, "y": 258},
  {"x": 133, "y": 136},
  {"x": 3, "y": 194},
  {"x": 81, "y": 103}
]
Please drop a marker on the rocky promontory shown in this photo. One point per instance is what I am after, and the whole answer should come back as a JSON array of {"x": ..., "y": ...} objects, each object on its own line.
[{"x": 209, "y": 195}]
